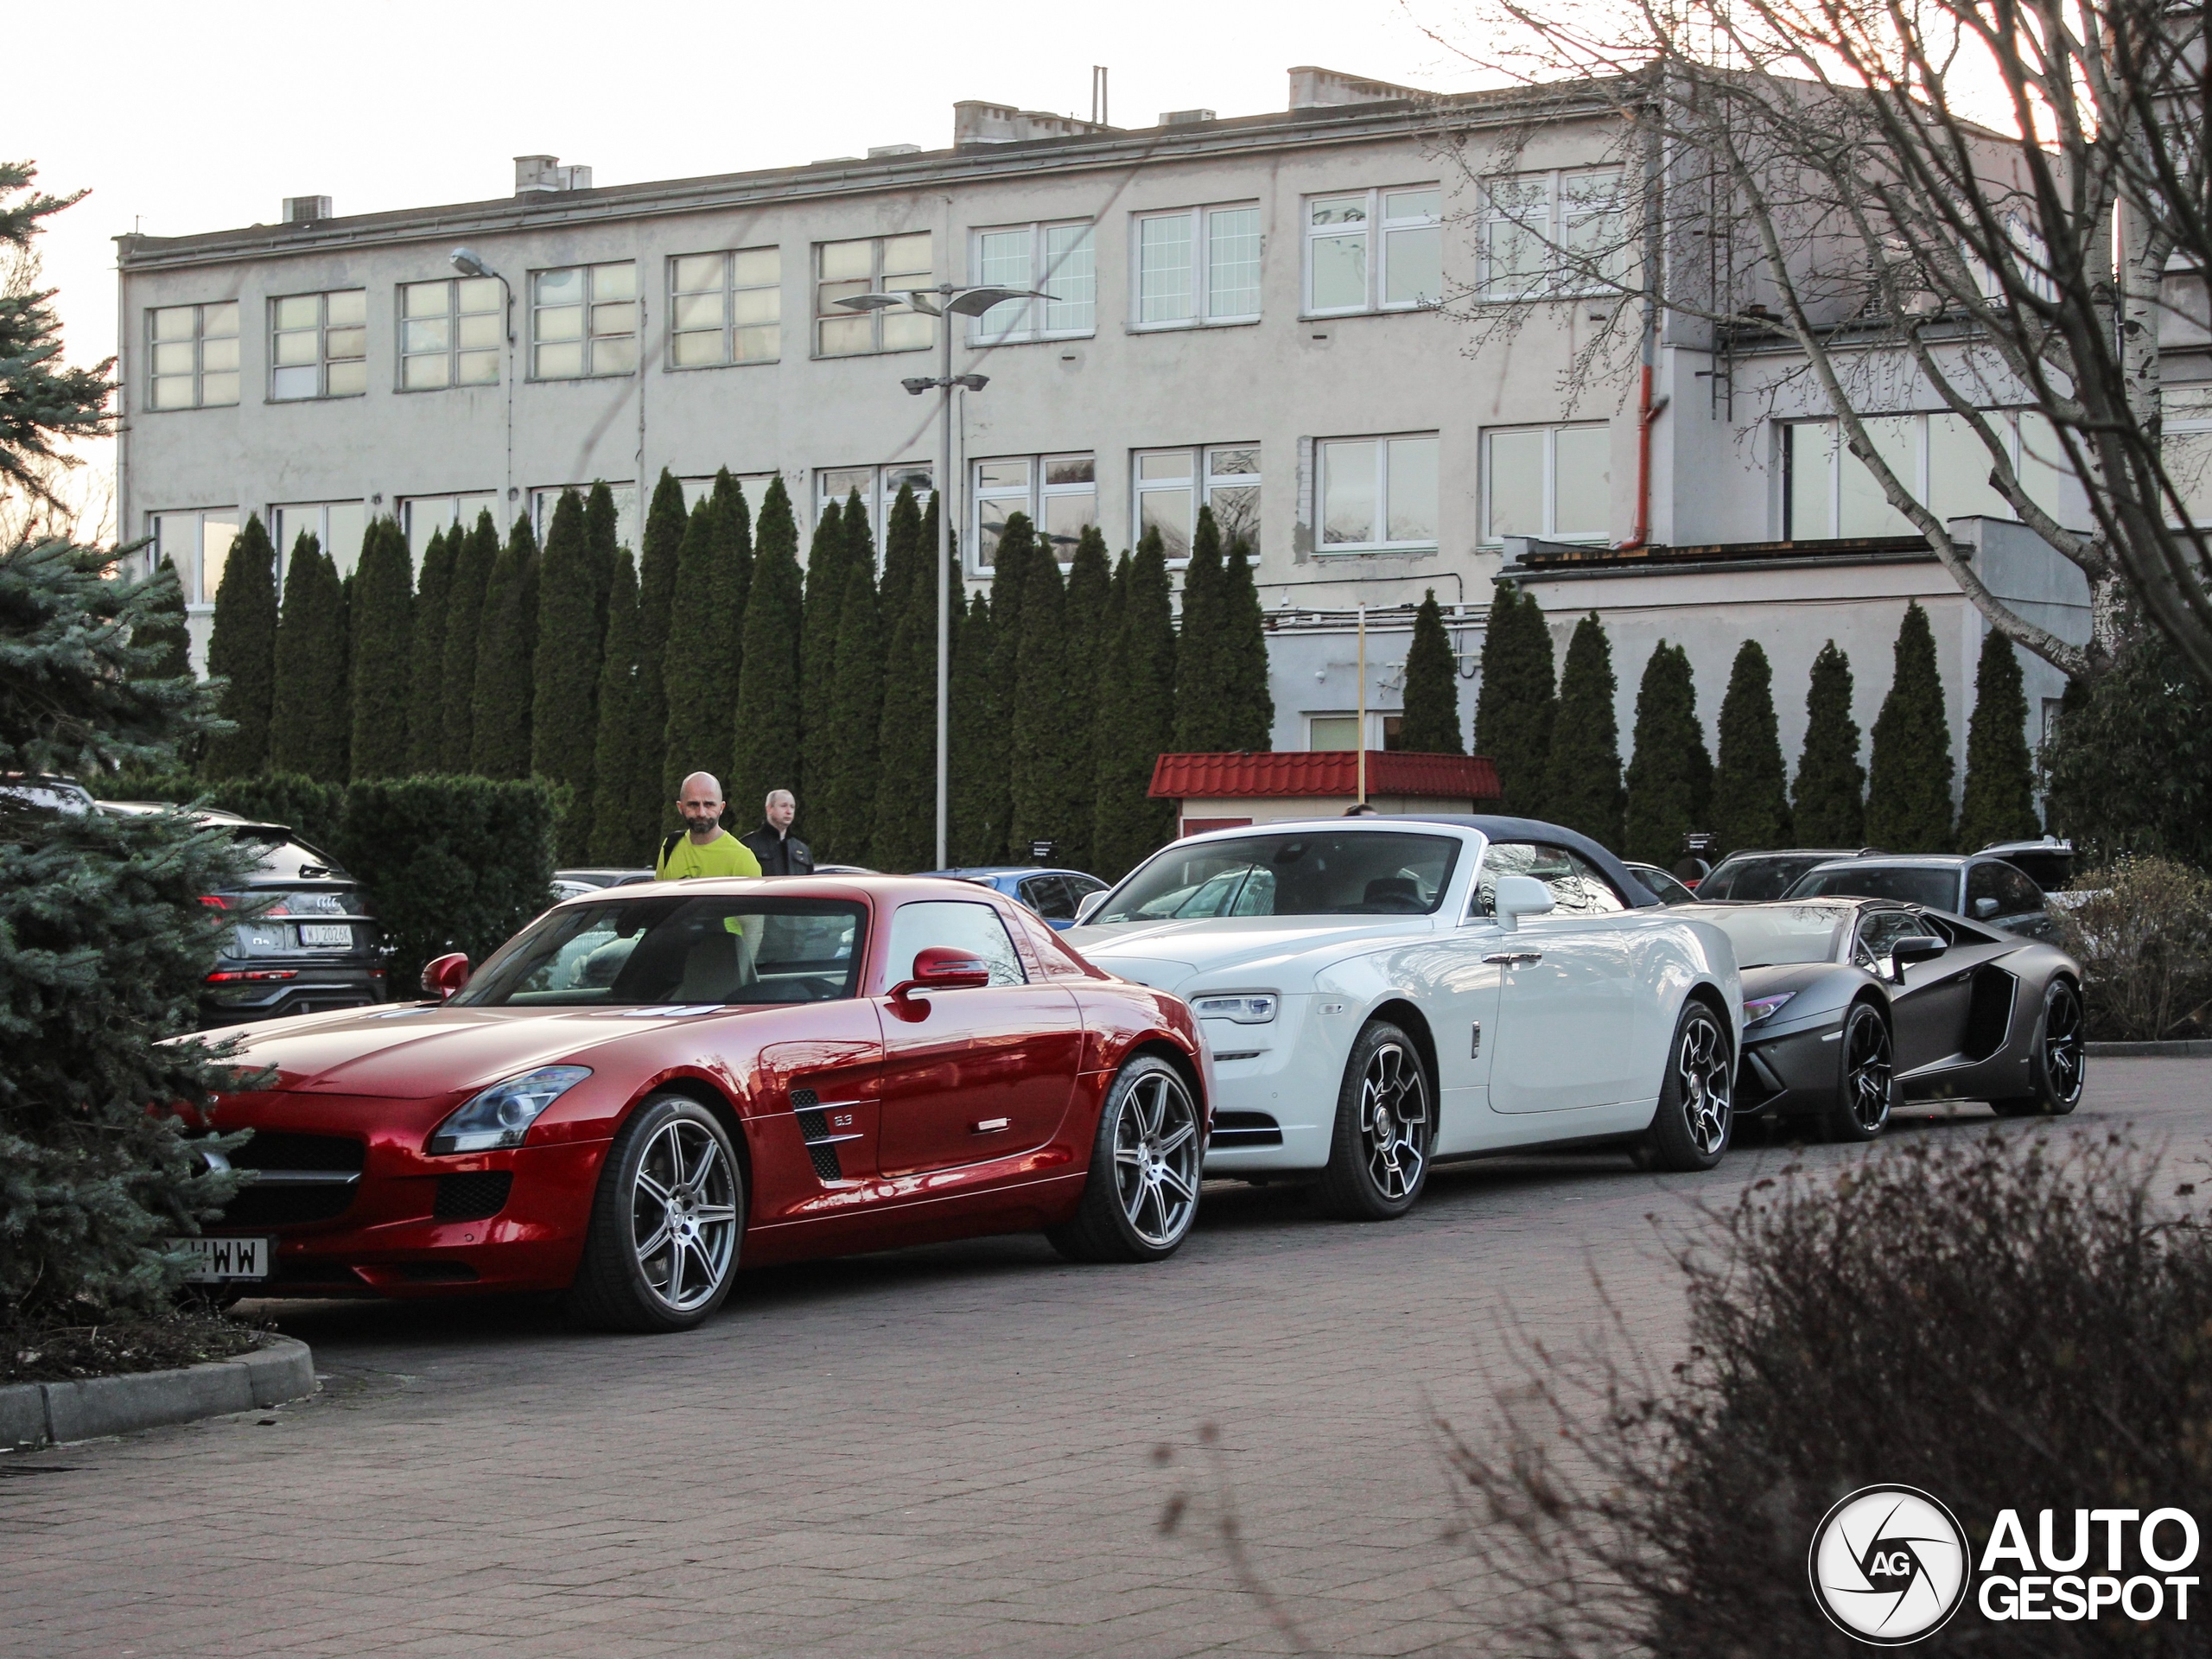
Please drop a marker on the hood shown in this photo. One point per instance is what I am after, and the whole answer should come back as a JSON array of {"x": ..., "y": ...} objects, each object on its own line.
[
  {"x": 417, "y": 1053},
  {"x": 1165, "y": 954},
  {"x": 1785, "y": 977}
]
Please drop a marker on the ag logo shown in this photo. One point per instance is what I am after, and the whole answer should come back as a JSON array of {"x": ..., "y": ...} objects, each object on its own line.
[{"x": 1889, "y": 1565}]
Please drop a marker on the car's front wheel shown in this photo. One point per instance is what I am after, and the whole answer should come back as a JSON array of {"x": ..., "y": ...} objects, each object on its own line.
[
  {"x": 1378, "y": 1153},
  {"x": 1142, "y": 1193},
  {"x": 1696, "y": 1114},
  {"x": 665, "y": 1223},
  {"x": 2057, "y": 1063},
  {"x": 1867, "y": 1088}
]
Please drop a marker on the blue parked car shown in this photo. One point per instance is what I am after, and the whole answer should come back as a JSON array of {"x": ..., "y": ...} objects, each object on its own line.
[{"x": 1054, "y": 894}]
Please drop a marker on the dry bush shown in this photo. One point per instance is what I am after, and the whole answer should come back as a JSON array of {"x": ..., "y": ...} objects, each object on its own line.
[
  {"x": 2144, "y": 935},
  {"x": 2005, "y": 1323}
]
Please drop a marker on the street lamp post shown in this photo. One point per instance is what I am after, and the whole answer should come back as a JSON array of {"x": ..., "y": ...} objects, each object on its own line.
[
  {"x": 467, "y": 261},
  {"x": 944, "y": 302}
]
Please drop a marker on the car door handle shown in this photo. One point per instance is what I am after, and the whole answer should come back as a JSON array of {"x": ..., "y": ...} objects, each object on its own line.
[
  {"x": 992, "y": 1125},
  {"x": 1515, "y": 956}
]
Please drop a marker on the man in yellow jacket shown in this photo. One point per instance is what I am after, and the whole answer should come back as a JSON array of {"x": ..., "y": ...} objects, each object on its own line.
[{"x": 703, "y": 846}]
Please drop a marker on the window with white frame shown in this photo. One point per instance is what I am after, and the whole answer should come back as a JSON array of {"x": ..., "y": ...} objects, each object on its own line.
[
  {"x": 1172, "y": 485},
  {"x": 1059, "y": 492},
  {"x": 1827, "y": 491},
  {"x": 1555, "y": 234},
  {"x": 1375, "y": 250},
  {"x": 197, "y": 540},
  {"x": 583, "y": 320},
  {"x": 318, "y": 345},
  {"x": 877, "y": 263},
  {"x": 543, "y": 499},
  {"x": 1197, "y": 265},
  {"x": 879, "y": 489},
  {"x": 193, "y": 350},
  {"x": 1551, "y": 482},
  {"x": 1056, "y": 259},
  {"x": 450, "y": 332},
  {"x": 2186, "y": 453},
  {"x": 1377, "y": 494},
  {"x": 726, "y": 307},
  {"x": 337, "y": 527},
  {"x": 424, "y": 516}
]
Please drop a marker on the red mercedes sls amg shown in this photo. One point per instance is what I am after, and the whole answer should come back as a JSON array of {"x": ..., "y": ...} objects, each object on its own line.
[{"x": 651, "y": 1085}]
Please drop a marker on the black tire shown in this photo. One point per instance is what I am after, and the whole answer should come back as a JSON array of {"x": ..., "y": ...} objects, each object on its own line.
[
  {"x": 1385, "y": 1130},
  {"x": 1692, "y": 1128},
  {"x": 666, "y": 1223},
  {"x": 2057, "y": 1059},
  {"x": 1866, "y": 1079},
  {"x": 1146, "y": 1162}
]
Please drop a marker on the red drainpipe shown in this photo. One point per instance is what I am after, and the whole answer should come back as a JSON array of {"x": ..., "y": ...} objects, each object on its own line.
[{"x": 1647, "y": 411}]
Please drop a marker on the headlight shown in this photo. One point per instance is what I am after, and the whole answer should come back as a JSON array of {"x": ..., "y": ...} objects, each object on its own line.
[
  {"x": 1245, "y": 1007},
  {"x": 502, "y": 1115},
  {"x": 1764, "y": 1007}
]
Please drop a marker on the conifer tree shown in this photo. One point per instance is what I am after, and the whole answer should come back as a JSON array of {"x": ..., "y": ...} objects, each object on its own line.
[
  {"x": 1582, "y": 780},
  {"x": 825, "y": 595},
  {"x": 601, "y": 528},
  {"x": 666, "y": 520},
  {"x": 1828, "y": 803},
  {"x": 1203, "y": 716},
  {"x": 380, "y": 630},
  {"x": 1244, "y": 665},
  {"x": 1139, "y": 727},
  {"x": 904, "y": 835},
  {"x": 734, "y": 520},
  {"x": 426, "y": 654},
  {"x": 1046, "y": 739},
  {"x": 1909, "y": 773},
  {"x": 1999, "y": 804},
  {"x": 160, "y": 644},
  {"x": 477, "y": 552},
  {"x": 698, "y": 733},
  {"x": 1108, "y": 702},
  {"x": 765, "y": 754},
  {"x": 1091, "y": 586},
  {"x": 860, "y": 535},
  {"x": 309, "y": 716},
  {"x": 242, "y": 651},
  {"x": 626, "y": 768},
  {"x": 1671, "y": 776},
  {"x": 905, "y": 551},
  {"x": 1431, "y": 723},
  {"x": 564, "y": 672},
  {"x": 846, "y": 795},
  {"x": 500, "y": 744},
  {"x": 1012, "y": 564},
  {"x": 343, "y": 714},
  {"x": 1750, "y": 797},
  {"x": 1515, "y": 704}
]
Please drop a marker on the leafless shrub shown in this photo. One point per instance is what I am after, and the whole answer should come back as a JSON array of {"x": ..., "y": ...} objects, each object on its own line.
[{"x": 2144, "y": 935}]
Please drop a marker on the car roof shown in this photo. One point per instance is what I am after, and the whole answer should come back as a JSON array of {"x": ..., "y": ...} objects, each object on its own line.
[
  {"x": 1906, "y": 861},
  {"x": 1824, "y": 901},
  {"x": 975, "y": 872},
  {"x": 1748, "y": 853},
  {"x": 791, "y": 887}
]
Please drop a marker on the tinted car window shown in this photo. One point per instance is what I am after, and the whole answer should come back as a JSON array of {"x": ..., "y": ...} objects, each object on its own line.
[
  {"x": 1049, "y": 897},
  {"x": 1937, "y": 888},
  {"x": 286, "y": 859},
  {"x": 676, "y": 951},
  {"x": 1762, "y": 876},
  {"x": 1880, "y": 929},
  {"x": 1576, "y": 887},
  {"x": 1664, "y": 888},
  {"x": 1313, "y": 873},
  {"x": 963, "y": 927},
  {"x": 2015, "y": 892}
]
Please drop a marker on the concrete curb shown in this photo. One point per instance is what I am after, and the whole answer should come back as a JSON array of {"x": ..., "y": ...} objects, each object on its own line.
[
  {"x": 2186, "y": 1048},
  {"x": 33, "y": 1414}
]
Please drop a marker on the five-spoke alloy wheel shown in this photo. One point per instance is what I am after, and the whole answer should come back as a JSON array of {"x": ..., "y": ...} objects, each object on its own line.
[
  {"x": 1142, "y": 1193},
  {"x": 1378, "y": 1156},
  {"x": 665, "y": 1224}
]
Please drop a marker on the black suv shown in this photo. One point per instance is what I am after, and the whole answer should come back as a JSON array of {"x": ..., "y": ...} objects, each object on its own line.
[
  {"x": 1749, "y": 877},
  {"x": 305, "y": 939},
  {"x": 1979, "y": 886}
]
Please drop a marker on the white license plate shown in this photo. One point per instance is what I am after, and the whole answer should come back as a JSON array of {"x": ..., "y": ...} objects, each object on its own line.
[
  {"x": 215, "y": 1260},
  {"x": 326, "y": 933}
]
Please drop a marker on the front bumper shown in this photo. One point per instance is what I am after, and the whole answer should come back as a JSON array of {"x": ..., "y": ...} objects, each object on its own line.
[
  {"x": 1275, "y": 1089},
  {"x": 1790, "y": 1071}
]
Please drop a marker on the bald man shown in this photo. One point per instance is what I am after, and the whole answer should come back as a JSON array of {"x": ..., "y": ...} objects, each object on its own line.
[{"x": 703, "y": 847}]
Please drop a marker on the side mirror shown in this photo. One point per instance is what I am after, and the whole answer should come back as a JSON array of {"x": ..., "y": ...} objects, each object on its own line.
[
  {"x": 942, "y": 967},
  {"x": 1914, "y": 948},
  {"x": 443, "y": 975},
  {"x": 1984, "y": 909},
  {"x": 1519, "y": 896},
  {"x": 1088, "y": 905}
]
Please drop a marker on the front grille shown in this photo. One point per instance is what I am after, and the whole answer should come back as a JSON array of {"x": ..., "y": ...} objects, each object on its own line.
[
  {"x": 285, "y": 1207},
  {"x": 280, "y": 1149},
  {"x": 1233, "y": 1129},
  {"x": 282, "y": 1198},
  {"x": 474, "y": 1196}
]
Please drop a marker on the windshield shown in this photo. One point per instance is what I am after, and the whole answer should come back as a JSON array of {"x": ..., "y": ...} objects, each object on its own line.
[
  {"x": 1765, "y": 875},
  {"x": 678, "y": 951},
  {"x": 1308, "y": 873},
  {"x": 1772, "y": 936},
  {"x": 1938, "y": 889}
]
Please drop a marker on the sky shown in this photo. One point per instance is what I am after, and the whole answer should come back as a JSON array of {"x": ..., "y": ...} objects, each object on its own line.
[{"x": 181, "y": 120}]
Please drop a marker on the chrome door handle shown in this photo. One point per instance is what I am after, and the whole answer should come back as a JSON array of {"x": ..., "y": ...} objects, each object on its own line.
[
  {"x": 1510, "y": 956},
  {"x": 992, "y": 1125}
]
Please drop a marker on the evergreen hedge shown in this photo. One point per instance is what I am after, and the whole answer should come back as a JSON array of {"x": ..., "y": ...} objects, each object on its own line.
[
  {"x": 1047, "y": 742},
  {"x": 1091, "y": 586},
  {"x": 1431, "y": 722},
  {"x": 625, "y": 812},
  {"x": 1012, "y": 563},
  {"x": 1751, "y": 798},
  {"x": 1244, "y": 672},
  {"x": 818, "y": 653},
  {"x": 765, "y": 754},
  {"x": 1909, "y": 775},
  {"x": 972, "y": 789},
  {"x": 500, "y": 745},
  {"x": 1582, "y": 778},
  {"x": 1516, "y": 704},
  {"x": 564, "y": 672},
  {"x": 2000, "y": 803},
  {"x": 308, "y": 717},
  {"x": 379, "y": 637},
  {"x": 242, "y": 652},
  {"x": 698, "y": 733},
  {"x": 1671, "y": 776},
  {"x": 479, "y": 550},
  {"x": 2130, "y": 766},
  {"x": 903, "y": 834},
  {"x": 845, "y": 794},
  {"x": 1829, "y": 799},
  {"x": 1203, "y": 715},
  {"x": 733, "y": 530},
  {"x": 1136, "y": 716},
  {"x": 663, "y": 542},
  {"x": 426, "y": 654}
]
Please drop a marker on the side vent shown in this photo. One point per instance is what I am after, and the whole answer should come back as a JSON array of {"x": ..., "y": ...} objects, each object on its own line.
[{"x": 814, "y": 1128}]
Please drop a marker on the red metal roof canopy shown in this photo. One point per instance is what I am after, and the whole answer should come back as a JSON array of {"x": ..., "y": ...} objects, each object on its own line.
[{"x": 1323, "y": 772}]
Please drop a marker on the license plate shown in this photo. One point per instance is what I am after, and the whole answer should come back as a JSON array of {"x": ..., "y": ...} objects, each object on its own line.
[
  {"x": 215, "y": 1260},
  {"x": 326, "y": 933}
]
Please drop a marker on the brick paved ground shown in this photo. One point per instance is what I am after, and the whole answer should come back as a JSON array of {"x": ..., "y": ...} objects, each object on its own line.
[{"x": 941, "y": 1451}]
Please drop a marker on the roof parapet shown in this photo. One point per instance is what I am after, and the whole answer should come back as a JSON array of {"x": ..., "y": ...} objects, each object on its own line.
[
  {"x": 1313, "y": 88},
  {"x": 975, "y": 122}
]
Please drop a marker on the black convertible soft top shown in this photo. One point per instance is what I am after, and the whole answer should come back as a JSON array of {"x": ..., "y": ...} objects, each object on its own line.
[{"x": 1503, "y": 829}]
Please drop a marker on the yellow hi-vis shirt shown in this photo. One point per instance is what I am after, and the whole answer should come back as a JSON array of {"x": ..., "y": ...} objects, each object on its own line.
[{"x": 724, "y": 855}]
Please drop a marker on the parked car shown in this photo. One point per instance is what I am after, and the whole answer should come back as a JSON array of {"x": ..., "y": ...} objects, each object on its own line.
[
  {"x": 1381, "y": 994},
  {"x": 1054, "y": 894},
  {"x": 845, "y": 869},
  {"x": 2048, "y": 862},
  {"x": 1852, "y": 1005},
  {"x": 1748, "y": 876},
  {"x": 1976, "y": 885},
  {"x": 1664, "y": 885},
  {"x": 577, "y": 884},
  {"x": 645, "y": 1088},
  {"x": 48, "y": 790}
]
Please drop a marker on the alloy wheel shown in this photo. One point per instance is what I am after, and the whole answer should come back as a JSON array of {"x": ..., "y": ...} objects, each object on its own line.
[
  {"x": 1156, "y": 1156},
  {"x": 1394, "y": 1120},
  {"x": 1869, "y": 1082},
  {"x": 2063, "y": 1045},
  {"x": 1705, "y": 1085},
  {"x": 683, "y": 1215}
]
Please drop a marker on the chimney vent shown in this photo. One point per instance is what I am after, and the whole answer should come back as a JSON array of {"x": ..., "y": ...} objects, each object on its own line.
[
  {"x": 306, "y": 210},
  {"x": 1185, "y": 118},
  {"x": 544, "y": 173}
]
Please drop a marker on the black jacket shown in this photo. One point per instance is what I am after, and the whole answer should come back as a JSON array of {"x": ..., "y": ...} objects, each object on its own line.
[{"x": 779, "y": 854}]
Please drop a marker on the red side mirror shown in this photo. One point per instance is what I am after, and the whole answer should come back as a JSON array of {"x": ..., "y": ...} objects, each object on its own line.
[
  {"x": 443, "y": 975},
  {"x": 943, "y": 968}
]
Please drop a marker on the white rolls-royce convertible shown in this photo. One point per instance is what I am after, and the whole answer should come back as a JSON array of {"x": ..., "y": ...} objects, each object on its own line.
[{"x": 1383, "y": 994}]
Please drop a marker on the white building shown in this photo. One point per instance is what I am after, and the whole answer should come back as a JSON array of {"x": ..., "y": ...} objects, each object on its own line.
[{"x": 1244, "y": 313}]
